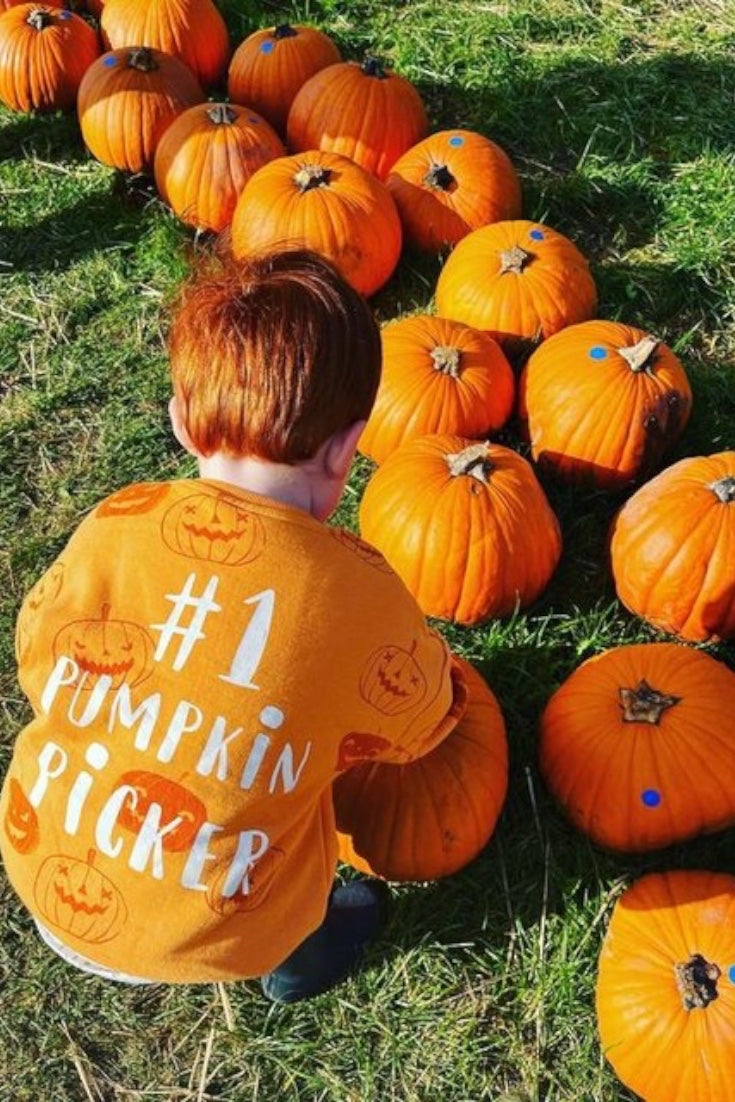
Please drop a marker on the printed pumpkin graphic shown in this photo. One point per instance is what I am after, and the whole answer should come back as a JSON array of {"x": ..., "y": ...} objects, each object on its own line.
[
  {"x": 141, "y": 497},
  {"x": 358, "y": 747},
  {"x": 119, "y": 649},
  {"x": 213, "y": 528},
  {"x": 78, "y": 899},
  {"x": 20, "y": 822},
  {"x": 175, "y": 801},
  {"x": 363, "y": 550},
  {"x": 45, "y": 591},
  {"x": 392, "y": 681},
  {"x": 261, "y": 877}
]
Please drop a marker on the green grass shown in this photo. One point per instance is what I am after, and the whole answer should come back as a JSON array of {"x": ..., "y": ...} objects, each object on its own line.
[{"x": 619, "y": 119}]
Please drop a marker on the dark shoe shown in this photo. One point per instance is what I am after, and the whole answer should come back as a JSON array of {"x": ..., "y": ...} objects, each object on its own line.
[{"x": 356, "y": 913}]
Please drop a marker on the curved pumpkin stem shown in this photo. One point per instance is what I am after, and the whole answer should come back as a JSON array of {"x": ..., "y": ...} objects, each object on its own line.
[
  {"x": 439, "y": 177},
  {"x": 697, "y": 982},
  {"x": 221, "y": 114},
  {"x": 311, "y": 176},
  {"x": 639, "y": 355},
  {"x": 39, "y": 18},
  {"x": 284, "y": 30},
  {"x": 473, "y": 460},
  {"x": 644, "y": 704},
  {"x": 514, "y": 260},
  {"x": 446, "y": 360},
  {"x": 141, "y": 58},
  {"x": 373, "y": 67},
  {"x": 724, "y": 489}
]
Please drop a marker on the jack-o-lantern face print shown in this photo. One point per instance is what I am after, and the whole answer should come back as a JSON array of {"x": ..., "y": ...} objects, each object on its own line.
[
  {"x": 20, "y": 822},
  {"x": 359, "y": 746},
  {"x": 175, "y": 801},
  {"x": 260, "y": 880},
  {"x": 392, "y": 681},
  {"x": 141, "y": 497},
  {"x": 78, "y": 899},
  {"x": 213, "y": 527},
  {"x": 363, "y": 550},
  {"x": 119, "y": 649},
  {"x": 44, "y": 592}
]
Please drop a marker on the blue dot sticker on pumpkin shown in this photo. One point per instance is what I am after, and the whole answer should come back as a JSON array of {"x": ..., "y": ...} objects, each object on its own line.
[
  {"x": 536, "y": 235},
  {"x": 731, "y": 973},
  {"x": 597, "y": 352},
  {"x": 651, "y": 797},
  {"x": 456, "y": 140},
  {"x": 254, "y": 120},
  {"x": 65, "y": 15},
  {"x": 267, "y": 47},
  {"x": 109, "y": 61}
]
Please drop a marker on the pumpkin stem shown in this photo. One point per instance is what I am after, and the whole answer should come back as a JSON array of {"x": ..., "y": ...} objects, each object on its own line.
[
  {"x": 514, "y": 260},
  {"x": 473, "y": 461},
  {"x": 446, "y": 360},
  {"x": 221, "y": 114},
  {"x": 311, "y": 176},
  {"x": 639, "y": 355},
  {"x": 374, "y": 67},
  {"x": 284, "y": 30},
  {"x": 439, "y": 177},
  {"x": 697, "y": 982},
  {"x": 91, "y": 854},
  {"x": 141, "y": 58},
  {"x": 39, "y": 18},
  {"x": 644, "y": 704},
  {"x": 724, "y": 489}
]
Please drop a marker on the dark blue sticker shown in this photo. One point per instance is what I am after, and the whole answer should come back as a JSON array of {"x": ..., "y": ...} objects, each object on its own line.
[
  {"x": 254, "y": 120},
  {"x": 267, "y": 47},
  {"x": 731, "y": 973},
  {"x": 109, "y": 61},
  {"x": 456, "y": 140},
  {"x": 65, "y": 15},
  {"x": 597, "y": 352},
  {"x": 651, "y": 797},
  {"x": 536, "y": 235}
]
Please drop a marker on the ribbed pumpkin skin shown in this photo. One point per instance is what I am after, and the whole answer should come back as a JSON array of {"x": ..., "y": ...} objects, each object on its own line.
[
  {"x": 638, "y": 784},
  {"x": 552, "y": 287},
  {"x": 438, "y": 376},
  {"x": 192, "y": 30},
  {"x": 41, "y": 67},
  {"x": 592, "y": 417},
  {"x": 205, "y": 158},
  {"x": 123, "y": 110},
  {"x": 672, "y": 549},
  {"x": 451, "y": 183},
  {"x": 658, "y": 1048},
  {"x": 429, "y": 818},
  {"x": 369, "y": 118},
  {"x": 350, "y": 219},
  {"x": 269, "y": 67},
  {"x": 467, "y": 550}
]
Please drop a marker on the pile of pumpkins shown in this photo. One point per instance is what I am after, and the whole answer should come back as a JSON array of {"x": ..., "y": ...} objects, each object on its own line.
[{"x": 312, "y": 150}]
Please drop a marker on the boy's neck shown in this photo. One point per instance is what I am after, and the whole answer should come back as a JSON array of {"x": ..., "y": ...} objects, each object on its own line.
[{"x": 289, "y": 484}]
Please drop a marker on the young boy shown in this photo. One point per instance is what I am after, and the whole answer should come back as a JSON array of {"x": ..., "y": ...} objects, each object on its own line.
[{"x": 206, "y": 655}]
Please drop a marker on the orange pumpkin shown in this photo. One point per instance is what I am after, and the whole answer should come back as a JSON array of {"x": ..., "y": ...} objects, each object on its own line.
[
  {"x": 44, "y": 54},
  {"x": 325, "y": 202},
  {"x": 637, "y": 746},
  {"x": 451, "y": 183},
  {"x": 126, "y": 100},
  {"x": 438, "y": 376},
  {"x": 364, "y": 111},
  {"x": 603, "y": 401},
  {"x": 78, "y": 899},
  {"x": 118, "y": 649},
  {"x": 270, "y": 66},
  {"x": 205, "y": 158},
  {"x": 671, "y": 549},
  {"x": 518, "y": 280},
  {"x": 191, "y": 30},
  {"x": 665, "y": 992},
  {"x": 175, "y": 801},
  {"x": 465, "y": 524},
  {"x": 21, "y": 821},
  {"x": 214, "y": 527},
  {"x": 430, "y": 817}
]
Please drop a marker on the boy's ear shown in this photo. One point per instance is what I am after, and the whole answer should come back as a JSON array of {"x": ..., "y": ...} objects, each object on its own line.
[
  {"x": 179, "y": 428},
  {"x": 340, "y": 450}
]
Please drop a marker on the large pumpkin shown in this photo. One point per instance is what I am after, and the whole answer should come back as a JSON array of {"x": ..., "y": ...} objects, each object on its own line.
[
  {"x": 44, "y": 54},
  {"x": 438, "y": 376},
  {"x": 450, "y": 183},
  {"x": 429, "y": 818},
  {"x": 205, "y": 158},
  {"x": 603, "y": 401},
  {"x": 665, "y": 994},
  {"x": 364, "y": 111},
  {"x": 672, "y": 549},
  {"x": 191, "y": 30},
  {"x": 465, "y": 524},
  {"x": 638, "y": 747},
  {"x": 126, "y": 100},
  {"x": 325, "y": 202},
  {"x": 269, "y": 67},
  {"x": 519, "y": 280}
]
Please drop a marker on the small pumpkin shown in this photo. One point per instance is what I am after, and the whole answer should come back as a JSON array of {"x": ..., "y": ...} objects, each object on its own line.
[
  {"x": 671, "y": 549},
  {"x": 325, "y": 202},
  {"x": 44, "y": 54},
  {"x": 119, "y": 649},
  {"x": 520, "y": 281},
  {"x": 20, "y": 821},
  {"x": 392, "y": 681},
  {"x": 213, "y": 527},
  {"x": 665, "y": 996},
  {"x": 205, "y": 158},
  {"x": 603, "y": 402},
  {"x": 269, "y": 67},
  {"x": 637, "y": 746},
  {"x": 450, "y": 183},
  {"x": 175, "y": 801},
  {"x": 465, "y": 524},
  {"x": 366, "y": 112},
  {"x": 192, "y": 30},
  {"x": 75, "y": 897},
  {"x": 432, "y": 816},
  {"x": 260, "y": 881},
  {"x": 139, "y": 497},
  {"x": 438, "y": 376}
]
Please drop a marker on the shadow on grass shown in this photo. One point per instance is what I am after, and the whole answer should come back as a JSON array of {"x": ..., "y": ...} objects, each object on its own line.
[{"x": 52, "y": 136}]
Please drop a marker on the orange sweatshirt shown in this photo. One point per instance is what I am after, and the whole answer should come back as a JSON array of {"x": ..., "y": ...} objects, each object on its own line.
[{"x": 202, "y": 662}]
